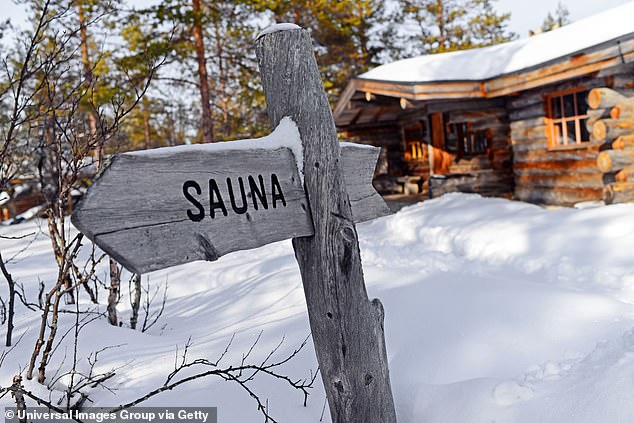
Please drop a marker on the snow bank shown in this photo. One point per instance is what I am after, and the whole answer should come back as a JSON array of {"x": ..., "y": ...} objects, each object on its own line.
[
  {"x": 489, "y": 62},
  {"x": 495, "y": 311}
]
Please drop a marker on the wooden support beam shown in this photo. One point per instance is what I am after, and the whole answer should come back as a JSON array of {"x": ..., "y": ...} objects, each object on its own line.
[{"x": 347, "y": 328}]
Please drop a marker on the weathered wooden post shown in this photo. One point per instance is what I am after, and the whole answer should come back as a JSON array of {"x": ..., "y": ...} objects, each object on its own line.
[{"x": 347, "y": 328}]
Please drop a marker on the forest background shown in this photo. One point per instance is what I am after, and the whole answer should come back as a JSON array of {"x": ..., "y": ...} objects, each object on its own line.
[{"x": 207, "y": 88}]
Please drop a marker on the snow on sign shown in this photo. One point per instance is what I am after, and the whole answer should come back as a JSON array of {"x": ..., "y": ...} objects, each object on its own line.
[{"x": 158, "y": 208}]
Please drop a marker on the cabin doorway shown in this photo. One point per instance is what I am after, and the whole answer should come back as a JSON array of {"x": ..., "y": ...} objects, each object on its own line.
[{"x": 440, "y": 159}]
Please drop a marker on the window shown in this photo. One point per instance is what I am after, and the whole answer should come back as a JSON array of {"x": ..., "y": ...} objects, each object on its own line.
[
  {"x": 462, "y": 140},
  {"x": 566, "y": 114},
  {"x": 415, "y": 151},
  {"x": 415, "y": 148}
]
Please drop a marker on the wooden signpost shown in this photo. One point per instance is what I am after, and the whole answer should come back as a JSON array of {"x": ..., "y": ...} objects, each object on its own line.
[{"x": 159, "y": 208}]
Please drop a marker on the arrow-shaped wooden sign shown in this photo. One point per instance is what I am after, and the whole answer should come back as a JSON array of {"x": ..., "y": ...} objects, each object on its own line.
[{"x": 158, "y": 208}]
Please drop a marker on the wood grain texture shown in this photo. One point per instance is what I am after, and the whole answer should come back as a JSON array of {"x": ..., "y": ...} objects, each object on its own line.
[
  {"x": 358, "y": 168},
  {"x": 148, "y": 227},
  {"x": 347, "y": 328},
  {"x": 604, "y": 98},
  {"x": 612, "y": 160}
]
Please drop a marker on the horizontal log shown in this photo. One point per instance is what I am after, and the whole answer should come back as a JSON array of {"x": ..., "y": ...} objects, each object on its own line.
[
  {"x": 529, "y": 112},
  {"x": 613, "y": 160},
  {"x": 480, "y": 176},
  {"x": 604, "y": 98},
  {"x": 623, "y": 81},
  {"x": 623, "y": 69},
  {"x": 529, "y": 145},
  {"x": 589, "y": 165},
  {"x": 618, "y": 193},
  {"x": 537, "y": 95},
  {"x": 473, "y": 104},
  {"x": 537, "y": 131},
  {"x": 497, "y": 115},
  {"x": 623, "y": 175},
  {"x": 624, "y": 110},
  {"x": 441, "y": 186},
  {"x": 495, "y": 129},
  {"x": 524, "y": 100},
  {"x": 559, "y": 196},
  {"x": 570, "y": 180},
  {"x": 608, "y": 129},
  {"x": 603, "y": 113},
  {"x": 558, "y": 171},
  {"x": 501, "y": 148},
  {"x": 519, "y": 125},
  {"x": 500, "y": 153},
  {"x": 623, "y": 142},
  {"x": 503, "y": 191},
  {"x": 546, "y": 155},
  {"x": 595, "y": 115}
]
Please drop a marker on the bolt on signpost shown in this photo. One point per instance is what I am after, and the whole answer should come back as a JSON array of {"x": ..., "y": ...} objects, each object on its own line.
[{"x": 180, "y": 204}]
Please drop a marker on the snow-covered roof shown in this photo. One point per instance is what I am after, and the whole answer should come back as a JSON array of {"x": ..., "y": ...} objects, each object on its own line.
[{"x": 490, "y": 62}]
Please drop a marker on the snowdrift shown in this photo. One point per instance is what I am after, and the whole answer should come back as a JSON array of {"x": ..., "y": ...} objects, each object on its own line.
[{"x": 495, "y": 311}]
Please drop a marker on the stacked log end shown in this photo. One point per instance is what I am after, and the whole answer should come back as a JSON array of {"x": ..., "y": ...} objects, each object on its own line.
[{"x": 611, "y": 123}]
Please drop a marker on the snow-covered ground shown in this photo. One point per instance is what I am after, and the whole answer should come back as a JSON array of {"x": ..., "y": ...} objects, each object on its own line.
[{"x": 496, "y": 311}]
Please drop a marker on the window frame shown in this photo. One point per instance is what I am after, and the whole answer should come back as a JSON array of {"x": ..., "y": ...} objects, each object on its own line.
[
  {"x": 552, "y": 122},
  {"x": 413, "y": 146},
  {"x": 466, "y": 135}
]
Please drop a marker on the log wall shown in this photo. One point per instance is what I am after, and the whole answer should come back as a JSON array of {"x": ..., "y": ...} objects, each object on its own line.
[
  {"x": 387, "y": 137},
  {"x": 488, "y": 174},
  {"x": 615, "y": 134},
  {"x": 542, "y": 175},
  {"x": 391, "y": 163},
  {"x": 407, "y": 119},
  {"x": 519, "y": 160}
]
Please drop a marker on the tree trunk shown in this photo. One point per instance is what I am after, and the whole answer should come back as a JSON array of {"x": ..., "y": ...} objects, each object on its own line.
[
  {"x": 92, "y": 116},
  {"x": 347, "y": 328},
  {"x": 16, "y": 392},
  {"x": 146, "y": 128},
  {"x": 135, "y": 301},
  {"x": 113, "y": 296},
  {"x": 441, "y": 26},
  {"x": 203, "y": 77},
  {"x": 10, "y": 315}
]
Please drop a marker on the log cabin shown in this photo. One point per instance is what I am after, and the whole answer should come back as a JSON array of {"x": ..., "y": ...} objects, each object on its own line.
[{"x": 547, "y": 119}]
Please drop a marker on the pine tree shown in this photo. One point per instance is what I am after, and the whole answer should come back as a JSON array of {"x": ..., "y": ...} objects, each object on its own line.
[
  {"x": 560, "y": 18},
  {"x": 436, "y": 26},
  {"x": 349, "y": 36},
  {"x": 486, "y": 26}
]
